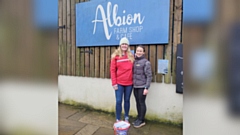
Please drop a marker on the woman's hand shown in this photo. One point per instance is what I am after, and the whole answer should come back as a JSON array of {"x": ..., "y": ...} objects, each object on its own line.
[
  {"x": 115, "y": 87},
  {"x": 145, "y": 92}
]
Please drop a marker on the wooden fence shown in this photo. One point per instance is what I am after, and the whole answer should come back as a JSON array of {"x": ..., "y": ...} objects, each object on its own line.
[{"x": 74, "y": 61}]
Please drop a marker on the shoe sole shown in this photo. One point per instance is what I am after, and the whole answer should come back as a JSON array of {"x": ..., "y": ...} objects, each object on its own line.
[{"x": 140, "y": 125}]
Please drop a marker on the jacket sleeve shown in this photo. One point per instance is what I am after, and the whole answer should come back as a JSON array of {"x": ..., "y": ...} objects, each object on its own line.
[
  {"x": 148, "y": 73},
  {"x": 113, "y": 71},
  {"x": 133, "y": 70}
]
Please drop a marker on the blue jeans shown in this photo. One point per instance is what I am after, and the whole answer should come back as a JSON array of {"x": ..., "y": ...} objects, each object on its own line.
[{"x": 126, "y": 91}]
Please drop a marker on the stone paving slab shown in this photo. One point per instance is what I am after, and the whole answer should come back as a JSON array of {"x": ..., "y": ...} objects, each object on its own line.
[
  {"x": 77, "y": 116},
  {"x": 162, "y": 129},
  {"x": 101, "y": 120},
  {"x": 88, "y": 130},
  {"x": 66, "y": 111},
  {"x": 79, "y": 121},
  {"x": 104, "y": 131},
  {"x": 69, "y": 127}
]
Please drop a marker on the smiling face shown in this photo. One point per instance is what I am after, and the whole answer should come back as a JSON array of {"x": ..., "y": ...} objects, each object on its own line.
[
  {"x": 140, "y": 51},
  {"x": 124, "y": 47}
]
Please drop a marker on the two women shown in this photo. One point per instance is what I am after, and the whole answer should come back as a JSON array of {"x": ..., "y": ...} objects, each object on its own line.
[{"x": 126, "y": 74}]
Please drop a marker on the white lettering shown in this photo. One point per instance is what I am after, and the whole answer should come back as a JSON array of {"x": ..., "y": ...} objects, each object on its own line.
[
  {"x": 135, "y": 29},
  {"x": 108, "y": 36},
  {"x": 109, "y": 8},
  {"x": 116, "y": 20},
  {"x": 138, "y": 16},
  {"x": 120, "y": 30},
  {"x": 128, "y": 35}
]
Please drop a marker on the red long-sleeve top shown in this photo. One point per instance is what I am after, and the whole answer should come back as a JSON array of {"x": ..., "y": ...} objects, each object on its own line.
[{"x": 121, "y": 71}]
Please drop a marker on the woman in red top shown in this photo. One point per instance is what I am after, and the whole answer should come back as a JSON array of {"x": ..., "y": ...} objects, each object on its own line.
[{"x": 121, "y": 76}]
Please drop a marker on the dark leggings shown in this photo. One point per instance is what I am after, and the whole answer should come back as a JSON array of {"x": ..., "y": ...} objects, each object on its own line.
[{"x": 140, "y": 103}]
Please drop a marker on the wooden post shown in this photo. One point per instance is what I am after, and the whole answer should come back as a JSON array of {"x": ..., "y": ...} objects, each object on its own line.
[
  {"x": 81, "y": 55},
  {"x": 87, "y": 61},
  {"x": 152, "y": 58},
  {"x": 168, "y": 48},
  {"x": 97, "y": 62},
  {"x": 102, "y": 62},
  {"x": 113, "y": 48},
  {"x": 64, "y": 38},
  {"x": 146, "y": 52},
  {"x": 77, "y": 48},
  {"x": 108, "y": 58},
  {"x": 69, "y": 62},
  {"x": 177, "y": 33},
  {"x": 134, "y": 48},
  {"x": 73, "y": 37},
  {"x": 60, "y": 37},
  {"x": 92, "y": 62},
  {"x": 82, "y": 61},
  {"x": 159, "y": 56},
  {"x": 78, "y": 61}
]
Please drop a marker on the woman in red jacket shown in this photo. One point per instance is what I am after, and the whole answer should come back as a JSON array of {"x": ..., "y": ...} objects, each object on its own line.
[{"x": 121, "y": 76}]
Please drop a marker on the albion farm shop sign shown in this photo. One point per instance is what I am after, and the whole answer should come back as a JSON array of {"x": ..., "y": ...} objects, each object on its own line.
[{"x": 104, "y": 22}]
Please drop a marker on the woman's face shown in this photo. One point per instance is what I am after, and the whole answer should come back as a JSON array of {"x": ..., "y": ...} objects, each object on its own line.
[
  {"x": 124, "y": 47},
  {"x": 139, "y": 51}
]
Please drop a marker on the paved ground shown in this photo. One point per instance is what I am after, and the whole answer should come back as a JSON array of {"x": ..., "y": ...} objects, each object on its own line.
[{"x": 80, "y": 121}]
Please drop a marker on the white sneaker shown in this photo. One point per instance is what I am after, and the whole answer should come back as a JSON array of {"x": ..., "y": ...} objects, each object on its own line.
[{"x": 127, "y": 119}]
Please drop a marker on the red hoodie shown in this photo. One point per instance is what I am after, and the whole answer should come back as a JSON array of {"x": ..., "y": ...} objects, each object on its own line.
[{"x": 121, "y": 71}]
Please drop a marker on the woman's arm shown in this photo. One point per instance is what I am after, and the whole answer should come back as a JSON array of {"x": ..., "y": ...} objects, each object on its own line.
[
  {"x": 148, "y": 73},
  {"x": 113, "y": 71}
]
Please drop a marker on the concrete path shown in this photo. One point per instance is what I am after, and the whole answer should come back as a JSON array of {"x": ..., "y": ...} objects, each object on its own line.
[{"x": 80, "y": 121}]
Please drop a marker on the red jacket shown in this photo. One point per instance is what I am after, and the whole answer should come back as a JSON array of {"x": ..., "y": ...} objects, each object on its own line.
[{"x": 121, "y": 71}]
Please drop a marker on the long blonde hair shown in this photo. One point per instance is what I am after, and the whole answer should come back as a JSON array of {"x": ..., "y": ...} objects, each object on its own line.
[{"x": 118, "y": 52}]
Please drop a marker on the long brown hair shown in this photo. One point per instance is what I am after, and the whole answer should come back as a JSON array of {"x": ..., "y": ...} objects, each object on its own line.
[{"x": 118, "y": 52}]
